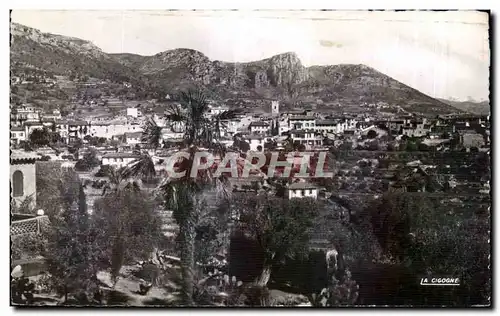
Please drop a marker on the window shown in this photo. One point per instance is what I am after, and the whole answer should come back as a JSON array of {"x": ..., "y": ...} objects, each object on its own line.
[
  {"x": 18, "y": 183},
  {"x": 307, "y": 192}
]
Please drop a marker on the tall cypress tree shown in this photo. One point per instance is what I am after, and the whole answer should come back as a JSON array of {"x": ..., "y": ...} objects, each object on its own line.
[{"x": 72, "y": 252}]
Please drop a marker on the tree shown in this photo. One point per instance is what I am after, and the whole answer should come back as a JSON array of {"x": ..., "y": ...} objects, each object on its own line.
[
  {"x": 390, "y": 222},
  {"x": 279, "y": 226},
  {"x": 88, "y": 161},
  {"x": 372, "y": 134},
  {"x": 455, "y": 141},
  {"x": 242, "y": 145},
  {"x": 429, "y": 237},
  {"x": 373, "y": 145},
  {"x": 423, "y": 147},
  {"x": 40, "y": 137},
  {"x": 57, "y": 188},
  {"x": 411, "y": 146},
  {"x": 185, "y": 195},
  {"x": 128, "y": 226},
  {"x": 72, "y": 252},
  {"x": 75, "y": 147}
]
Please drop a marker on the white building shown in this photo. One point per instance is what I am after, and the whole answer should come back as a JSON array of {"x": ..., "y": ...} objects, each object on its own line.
[
  {"x": 327, "y": 126},
  {"x": 256, "y": 143},
  {"x": 133, "y": 112},
  {"x": 230, "y": 127},
  {"x": 23, "y": 176},
  {"x": 306, "y": 137},
  {"x": 216, "y": 110},
  {"x": 29, "y": 127},
  {"x": 301, "y": 190},
  {"x": 275, "y": 108},
  {"x": 23, "y": 114},
  {"x": 118, "y": 160},
  {"x": 78, "y": 129},
  {"x": 62, "y": 127},
  {"x": 301, "y": 122},
  {"x": 133, "y": 138},
  {"x": 55, "y": 115},
  {"x": 109, "y": 130},
  {"x": 336, "y": 125},
  {"x": 259, "y": 127},
  {"x": 283, "y": 127},
  {"x": 17, "y": 134}
]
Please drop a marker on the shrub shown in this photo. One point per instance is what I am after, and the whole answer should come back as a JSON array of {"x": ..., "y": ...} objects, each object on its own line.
[{"x": 28, "y": 246}]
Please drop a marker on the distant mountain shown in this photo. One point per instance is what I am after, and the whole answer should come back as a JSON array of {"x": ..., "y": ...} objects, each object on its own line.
[
  {"x": 479, "y": 108},
  {"x": 62, "y": 55},
  {"x": 280, "y": 77}
]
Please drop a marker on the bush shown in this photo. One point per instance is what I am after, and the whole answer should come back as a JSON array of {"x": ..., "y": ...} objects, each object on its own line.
[
  {"x": 103, "y": 171},
  {"x": 88, "y": 162},
  {"x": 372, "y": 134},
  {"x": 28, "y": 246},
  {"x": 345, "y": 292}
]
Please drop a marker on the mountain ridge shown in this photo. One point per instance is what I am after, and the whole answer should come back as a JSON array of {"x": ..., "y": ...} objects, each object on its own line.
[
  {"x": 474, "y": 107},
  {"x": 282, "y": 76}
]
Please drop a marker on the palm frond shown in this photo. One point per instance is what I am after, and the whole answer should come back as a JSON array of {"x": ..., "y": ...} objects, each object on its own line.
[
  {"x": 174, "y": 113},
  {"x": 143, "y": 167},
  {"x": 152, "y": 133},
  {"x": 227, "y": 115}
]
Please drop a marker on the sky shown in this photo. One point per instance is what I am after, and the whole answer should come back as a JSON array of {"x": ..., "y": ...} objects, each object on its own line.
[{"x": 443, "y": 54}]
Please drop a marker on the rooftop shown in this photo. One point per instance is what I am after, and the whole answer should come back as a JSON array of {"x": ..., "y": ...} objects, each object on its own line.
[
  {"x": 302, "y": 186},
  {"x": 133, "y": 135},
  {"x": 76, "y": 123},
  {"x": 259, "y": 123},
  {"x": 33, "y": 123},
  {"x": 302, "y": 118},
  {"x": 121, "y": 155},
  {"x": 23, "y": 155},
  {"x": 326, "y": 122}
]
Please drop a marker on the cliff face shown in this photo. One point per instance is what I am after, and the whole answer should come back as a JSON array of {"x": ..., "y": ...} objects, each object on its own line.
[{"x": 186, "y": 64}]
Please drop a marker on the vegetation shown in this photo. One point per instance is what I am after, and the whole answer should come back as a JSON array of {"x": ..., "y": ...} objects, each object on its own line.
[
  {"x": 73, "y": 253},
  {"x": 377, "y": 248},
  {"x": 185, "y": 196},
  {"x": 128, "y": 226},
  {"x": 279, "y": 226},
  {"x": 88, "y": 162}
]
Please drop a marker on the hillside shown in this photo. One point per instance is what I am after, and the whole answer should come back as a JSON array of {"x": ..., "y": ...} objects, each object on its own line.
[
  {"x": 280, "y": 77},
  {"x": 479, "y": 108},
  {"x": 62, "y": 55}
]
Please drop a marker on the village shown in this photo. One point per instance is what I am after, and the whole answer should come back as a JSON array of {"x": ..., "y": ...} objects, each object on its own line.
[
  {"x": 368, "y": 150},
  {"x": 177, "y": 178}
]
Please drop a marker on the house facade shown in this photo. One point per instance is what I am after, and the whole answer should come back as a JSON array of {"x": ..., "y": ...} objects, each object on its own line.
[
  {"x": 259, "y": 128},
  {"x": 118, "y": 160},
  {"x": 17, "y": 134},
  {"x": 133, "y": 138},
  {"x": 302, "y": 190},
  {"x": 23, "y": 176},
  {"x": 302, "y": 122}
]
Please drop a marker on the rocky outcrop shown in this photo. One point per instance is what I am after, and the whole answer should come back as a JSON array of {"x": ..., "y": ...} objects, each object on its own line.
[{"x": 281, "y": 76}]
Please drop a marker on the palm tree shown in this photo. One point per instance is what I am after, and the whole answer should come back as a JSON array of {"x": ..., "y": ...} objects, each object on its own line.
[
  {"x": 187, "y": 196},
  {"x": 118, "y": 181}
]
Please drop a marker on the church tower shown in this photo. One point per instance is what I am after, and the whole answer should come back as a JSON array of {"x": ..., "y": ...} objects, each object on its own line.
[{"x": 275, "y": 108}]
